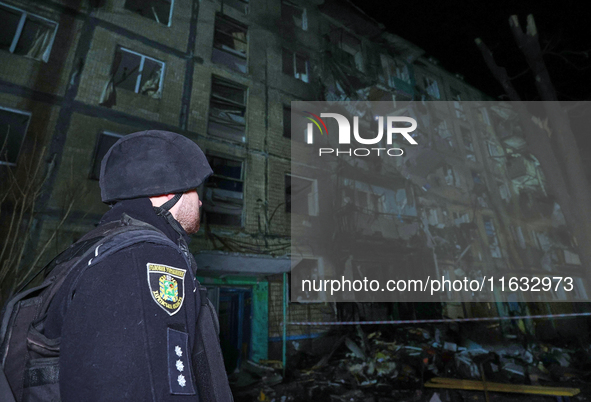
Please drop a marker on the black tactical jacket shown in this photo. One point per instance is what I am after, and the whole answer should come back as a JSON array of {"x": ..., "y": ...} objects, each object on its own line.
[{"x": 128, "y": 332}]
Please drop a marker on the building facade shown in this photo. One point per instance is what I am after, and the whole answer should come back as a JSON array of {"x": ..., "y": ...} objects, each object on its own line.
[{"x": 77, "y": 75}]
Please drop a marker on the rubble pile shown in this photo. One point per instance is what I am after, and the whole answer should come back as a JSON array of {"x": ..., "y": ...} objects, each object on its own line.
[{"x": 395, "y": 366}]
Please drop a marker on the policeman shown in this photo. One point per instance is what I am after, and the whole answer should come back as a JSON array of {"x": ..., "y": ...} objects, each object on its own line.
[{"x": 130, "y": 330}]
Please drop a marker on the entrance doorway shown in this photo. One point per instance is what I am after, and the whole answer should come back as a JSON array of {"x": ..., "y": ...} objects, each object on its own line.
[{"x": 235, "y": 314}]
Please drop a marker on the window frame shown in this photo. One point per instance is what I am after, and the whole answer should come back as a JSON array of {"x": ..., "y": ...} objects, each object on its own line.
[
  {"x": 468, "y": 142},
  {"x": 445, "y": 133},
  {"x": 494, "y": 243},
  {"x": 288, "y": 3},
  {"x": 143, "y": 58},
  {"x": 430, "y": 82},
  {"x": 232, "y": 52},
  {"x": 294, "y": 71},
  {"x": 217, "y": 79},
  {"x": 456, "y": 97},
  {"x": 22, "y": 112},
  {"x": 337, "y": 38},
  {"x": 391, "y": 65},
  {"x": 158, "y": 22},
  {"x": 19, "y": 31},
  {"x": 220, "y": 176}
]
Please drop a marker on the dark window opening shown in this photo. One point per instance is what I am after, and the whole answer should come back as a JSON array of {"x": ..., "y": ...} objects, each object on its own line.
[
  {"x": 294, "y": 13},
  {"x": 468, "y": 145},
  {"x": 157, "y": 10},
  {"x": 296, "y": 65},
  {"x": 227, "y": 110},
  {"x": 230, "y": 43},
  {"x": 346, "y": 49},
  {"x": 224, "y": 192},
  {"x": 26, "y": 34},
  {"x": 13, "y": 127},
  {"x": 133, "y": 72}
]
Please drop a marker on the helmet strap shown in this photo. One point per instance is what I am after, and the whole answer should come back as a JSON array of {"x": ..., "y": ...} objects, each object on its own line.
[
  {"x": 171, "y": 203},
  {"x": 164, "y": 211}
]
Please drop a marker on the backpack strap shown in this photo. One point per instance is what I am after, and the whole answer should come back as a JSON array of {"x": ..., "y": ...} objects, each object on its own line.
[{"x": 30, "y": 307}]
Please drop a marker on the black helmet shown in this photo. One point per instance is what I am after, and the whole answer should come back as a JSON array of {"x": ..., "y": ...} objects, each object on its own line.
[{"x": 151, "y": 163}]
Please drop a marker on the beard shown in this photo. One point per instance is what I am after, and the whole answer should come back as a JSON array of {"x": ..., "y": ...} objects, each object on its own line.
[{"x": 189, "y": 216}]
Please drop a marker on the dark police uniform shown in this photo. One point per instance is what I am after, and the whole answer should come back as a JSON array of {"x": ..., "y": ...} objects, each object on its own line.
[{"x": 129, "y": 330}]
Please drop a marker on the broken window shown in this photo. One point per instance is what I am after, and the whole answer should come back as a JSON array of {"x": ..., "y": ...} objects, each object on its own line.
[
  {"x": 240, "y": 5},
  {"x": 294, "y": 13},
  {"x": 301, "y": 195},
  {"x": 431, "y": 87},
  {"x": 371, "y": 199},
  {"x": 227, "y": 110},
  {"x": 450, "y": 175},
  {"x": 493, "y": 240},
  {"x": 26, "y": 34},
  {"x": 456, "y": 96},
  {"x": 230, "y": 43},
  {"x": 392, "y": 69},
  {"x": 296, "y": 65},
  {"x": 495, "y": 151},
  {"x": 468, "y": 145},
  {"x": 444, "y": 132},
  {"x": 134, "y": 72},
  {"x": 224, "y": 192},
  {"x": 157, "y": 10},
  {"x": 346, "y": 48},
  {"x": 13, "y": 127},
  {"x": 104, "y": 142}
]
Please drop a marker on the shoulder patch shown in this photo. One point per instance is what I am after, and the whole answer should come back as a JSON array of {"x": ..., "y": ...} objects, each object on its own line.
[{"x": 167, "y": 286}]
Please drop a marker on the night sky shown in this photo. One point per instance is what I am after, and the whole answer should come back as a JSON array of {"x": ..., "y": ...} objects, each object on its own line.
[{"x": 446, "y": 31}]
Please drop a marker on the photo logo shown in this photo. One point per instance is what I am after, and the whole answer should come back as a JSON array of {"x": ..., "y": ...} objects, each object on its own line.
[
  {"x": 309, "y": 131},
  {"x": 402, "y": 125}
]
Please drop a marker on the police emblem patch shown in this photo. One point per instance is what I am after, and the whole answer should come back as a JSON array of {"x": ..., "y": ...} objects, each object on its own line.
[{"x": 167, "y": 286}]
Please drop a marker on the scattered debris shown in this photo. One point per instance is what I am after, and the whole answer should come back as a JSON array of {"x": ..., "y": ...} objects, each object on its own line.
[{"x": 409, "y": 363}]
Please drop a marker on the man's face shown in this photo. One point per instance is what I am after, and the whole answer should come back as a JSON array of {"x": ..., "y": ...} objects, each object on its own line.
[{"x": 188, "y": 214}]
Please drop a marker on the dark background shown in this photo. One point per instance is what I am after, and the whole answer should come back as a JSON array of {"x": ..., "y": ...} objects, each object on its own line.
[{"x": 446, "y": 31}]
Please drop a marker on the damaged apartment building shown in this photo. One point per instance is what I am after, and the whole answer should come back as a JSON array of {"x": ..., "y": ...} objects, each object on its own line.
[{"x": 77, "y": 75}]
